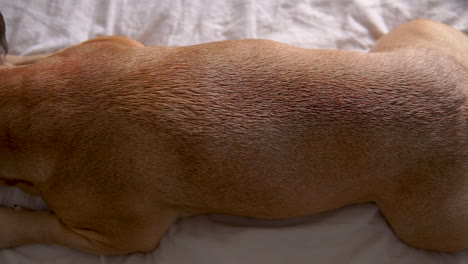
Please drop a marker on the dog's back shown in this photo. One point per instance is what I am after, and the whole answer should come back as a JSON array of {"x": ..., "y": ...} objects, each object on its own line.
[
  {"x": 240, "y": 119},
  {"x": 253, "y": 128}
]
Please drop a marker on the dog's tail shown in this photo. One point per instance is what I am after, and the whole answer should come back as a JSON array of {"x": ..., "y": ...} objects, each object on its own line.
[{"x": 3, "y": 42}]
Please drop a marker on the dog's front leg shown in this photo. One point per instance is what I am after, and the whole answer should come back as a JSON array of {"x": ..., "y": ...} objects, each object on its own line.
[{"x": 20, "y": 227}]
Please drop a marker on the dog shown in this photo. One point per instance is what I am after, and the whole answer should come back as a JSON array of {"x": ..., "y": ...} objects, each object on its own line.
[{"x": 121, "y": 140}]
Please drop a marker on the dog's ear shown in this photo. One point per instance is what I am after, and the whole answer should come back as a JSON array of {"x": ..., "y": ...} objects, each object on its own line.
[{"x": 3, "y": 42}]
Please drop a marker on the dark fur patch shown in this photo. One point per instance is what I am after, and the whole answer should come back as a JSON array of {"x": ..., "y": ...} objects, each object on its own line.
[{"x": 3, "y": 42}]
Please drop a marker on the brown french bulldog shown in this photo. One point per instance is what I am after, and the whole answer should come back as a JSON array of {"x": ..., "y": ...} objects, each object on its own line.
[{"x": 121, "y": 140}]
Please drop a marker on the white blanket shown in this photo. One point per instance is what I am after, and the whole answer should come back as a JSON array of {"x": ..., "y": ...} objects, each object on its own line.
[{"x": 357, "y": 234}]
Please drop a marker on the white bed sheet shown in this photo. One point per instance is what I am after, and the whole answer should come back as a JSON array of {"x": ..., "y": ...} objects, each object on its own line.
[{"x": 356, "y": 234}]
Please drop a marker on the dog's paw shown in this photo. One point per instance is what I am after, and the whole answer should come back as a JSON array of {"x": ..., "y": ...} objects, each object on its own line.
[{"x": 10, "y": 234}]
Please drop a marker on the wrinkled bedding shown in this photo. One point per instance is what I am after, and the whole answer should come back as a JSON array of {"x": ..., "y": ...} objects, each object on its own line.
[{"x": 356, "y": 234}]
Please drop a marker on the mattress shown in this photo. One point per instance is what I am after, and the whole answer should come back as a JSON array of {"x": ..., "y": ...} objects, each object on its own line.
[{"x": 355, "y": 234}]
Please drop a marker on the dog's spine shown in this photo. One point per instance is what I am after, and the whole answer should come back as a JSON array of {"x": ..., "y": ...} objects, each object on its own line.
[{"x": 3, "y": 41}]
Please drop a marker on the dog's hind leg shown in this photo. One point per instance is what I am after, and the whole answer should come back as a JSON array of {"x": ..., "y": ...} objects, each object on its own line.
[
  {"x": 425, "y": 34},
  {"x": 429, "y": 219},
  {"x": 428, "y": 206}
]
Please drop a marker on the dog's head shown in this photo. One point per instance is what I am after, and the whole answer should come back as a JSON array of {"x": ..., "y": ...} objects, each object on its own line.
[{"x": 3, "y": 42}]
